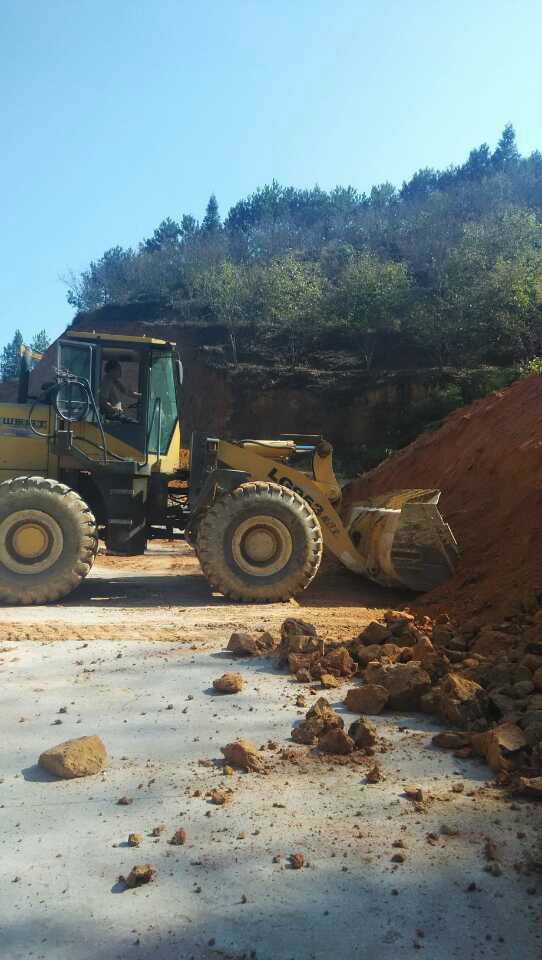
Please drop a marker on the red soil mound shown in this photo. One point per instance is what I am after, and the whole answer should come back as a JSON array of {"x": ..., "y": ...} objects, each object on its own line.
[{"x": 487, "y": 460}]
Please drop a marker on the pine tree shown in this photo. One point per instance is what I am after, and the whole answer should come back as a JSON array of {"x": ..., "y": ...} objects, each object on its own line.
[
  {"x": 40, "y": 341},
  {"x": 506, "y": 153},
  {"x": 11, "y": 357},
  {"x": 211, "y": 220}
]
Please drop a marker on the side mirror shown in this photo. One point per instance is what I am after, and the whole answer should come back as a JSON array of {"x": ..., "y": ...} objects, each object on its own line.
[{"x": 180, "y": 371}]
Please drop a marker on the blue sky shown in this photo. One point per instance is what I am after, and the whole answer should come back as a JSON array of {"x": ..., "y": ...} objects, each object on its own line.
[{"x": 118, "y": 113}]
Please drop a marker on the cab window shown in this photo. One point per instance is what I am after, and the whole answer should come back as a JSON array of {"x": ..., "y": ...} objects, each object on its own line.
[
  {"x": 162, "y": 411},
  {"x": 120, "y": 385}
]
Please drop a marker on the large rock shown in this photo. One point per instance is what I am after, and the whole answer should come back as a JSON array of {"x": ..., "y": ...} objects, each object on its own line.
[
  {"x": 302, "y": 644},
  {"x": 382, "y": 651},
  {"x": 309, "y": 730},
  {"x": 229, "y": 683},
  {"x": 369, "y": 699},
  {"x": 406, "y": 683},
  {"x": 436, "y": 663},
  {"x": 302, "y": 661},
  {"x": 338, "y": 662},
  {"x": 537, "y": 678},
  {"x": 462, "y": 702},
  {"x": 374, "y": 632},
  {"x": 292, "y": 627},
  {"x": 320, "y": 719},
  {"x": 363, "y": 733},
  {"x": 498, "y": 745},
  {"x": 251, "y": 644},
  {"x": 323, "y": 709},
  {"x": 490, "y": 642},
  {"x": 243, "y": 754},
  {"x": 336, "y": 740},
  {"x": 75, "y": 758}
]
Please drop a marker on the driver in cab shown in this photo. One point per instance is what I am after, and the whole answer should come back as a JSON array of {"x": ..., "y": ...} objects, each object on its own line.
[{"x": 113, "y": 391}]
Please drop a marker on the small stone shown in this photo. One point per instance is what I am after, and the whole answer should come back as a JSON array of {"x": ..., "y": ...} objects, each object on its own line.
[
  {"x": 219, "y": 798},
  {"x": 458, "y": 787},
  {"x": 490, "y": 849},
  {"x": 398, "y": 858},
  {"x": 328, "y": 681},
  {"x": 134, "y": 839},
  {"x": 227, "y": 770},
  {"x": 124, "y": 801},
  {"x": 375, "y": 775},
  {"x": 297, "y": 861},
  {"x": 300, "y": 701},
  {"x": 138, "y": 876},
  {"x": 179, "y": 838},
  {"x": 415, "y": 793},
  {"x": 156, "y": 831}
]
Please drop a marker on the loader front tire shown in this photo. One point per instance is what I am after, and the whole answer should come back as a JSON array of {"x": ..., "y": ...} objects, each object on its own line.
[
  {"x": 48, "y": 540},
  {"x": 262, "y": 542}
]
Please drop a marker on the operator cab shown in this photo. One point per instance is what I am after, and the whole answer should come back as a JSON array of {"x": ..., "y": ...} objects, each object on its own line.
[{"x": 131, "y": 385}]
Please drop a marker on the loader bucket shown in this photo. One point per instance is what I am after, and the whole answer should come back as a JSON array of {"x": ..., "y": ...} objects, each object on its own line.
[{"x": 402, "y": 539}]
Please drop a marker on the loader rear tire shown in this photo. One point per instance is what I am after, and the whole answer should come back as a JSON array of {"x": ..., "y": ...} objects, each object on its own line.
[
  {"x": 260, "y": 543},
  {"x": 48, "y": 540}
]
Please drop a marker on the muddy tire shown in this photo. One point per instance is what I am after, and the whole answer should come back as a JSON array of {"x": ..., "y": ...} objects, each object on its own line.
[
  {"x": 262, "y": 542},
  {"x": 48, "y": 540}
]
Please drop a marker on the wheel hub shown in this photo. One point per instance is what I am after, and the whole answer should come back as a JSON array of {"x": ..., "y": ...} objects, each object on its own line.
[
  {"x": 31, "y": 541},
  {"x": 261, "y": 546}
]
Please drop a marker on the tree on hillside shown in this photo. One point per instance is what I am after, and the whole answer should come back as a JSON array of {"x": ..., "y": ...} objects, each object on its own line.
[
  {"x": 107, "y": 280},
  {"x": 211, "y": 221},
  {"x": 166, "y": 233},
  {"x": 189, "y": 226},
  {"x": 40, "y": 341},
  {"x": 225, "y": 289},
  {"x": 372, "y": 298},
  {"x": 11, "y": 357},
  {"x": 292, "y": 299},
  {"x": 506, "y": 153}
]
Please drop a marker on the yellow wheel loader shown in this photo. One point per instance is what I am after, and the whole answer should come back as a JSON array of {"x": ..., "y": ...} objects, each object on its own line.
[{"x": 97, "y": 454}]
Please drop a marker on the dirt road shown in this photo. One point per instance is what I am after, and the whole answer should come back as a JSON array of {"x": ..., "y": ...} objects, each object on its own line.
[{"x": 131, "y": 657}]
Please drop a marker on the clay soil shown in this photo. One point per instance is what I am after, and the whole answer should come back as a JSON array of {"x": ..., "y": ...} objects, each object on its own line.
[{"x": 487, "y": 461}]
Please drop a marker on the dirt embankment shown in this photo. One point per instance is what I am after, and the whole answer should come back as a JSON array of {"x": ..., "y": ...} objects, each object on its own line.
[{"x": 487, "y": 461}]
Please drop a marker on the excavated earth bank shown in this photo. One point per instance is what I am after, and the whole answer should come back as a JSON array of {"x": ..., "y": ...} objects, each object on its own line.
[{"x": 487, "y": 460}]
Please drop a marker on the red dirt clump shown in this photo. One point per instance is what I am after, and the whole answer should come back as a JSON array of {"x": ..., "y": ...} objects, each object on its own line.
[{"x": 487, "y": 461}]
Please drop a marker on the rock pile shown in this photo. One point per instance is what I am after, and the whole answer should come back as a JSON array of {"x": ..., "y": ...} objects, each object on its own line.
[
  {"x": 484, "y": 681},
  {"x": 324, "y": 728}
]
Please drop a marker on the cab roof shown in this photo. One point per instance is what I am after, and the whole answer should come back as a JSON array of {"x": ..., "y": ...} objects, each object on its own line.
[{"x": 118, "y": 337}]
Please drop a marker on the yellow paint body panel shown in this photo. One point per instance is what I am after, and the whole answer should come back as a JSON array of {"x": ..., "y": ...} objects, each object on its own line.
[
  {"x": 22, "y": 453},
  {"x": 91, "y": 337},
  {"x": 334, "y": 533}
]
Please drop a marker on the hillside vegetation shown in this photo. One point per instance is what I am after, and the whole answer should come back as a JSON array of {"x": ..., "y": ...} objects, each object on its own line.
[{"x": 445, "y": 270}]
